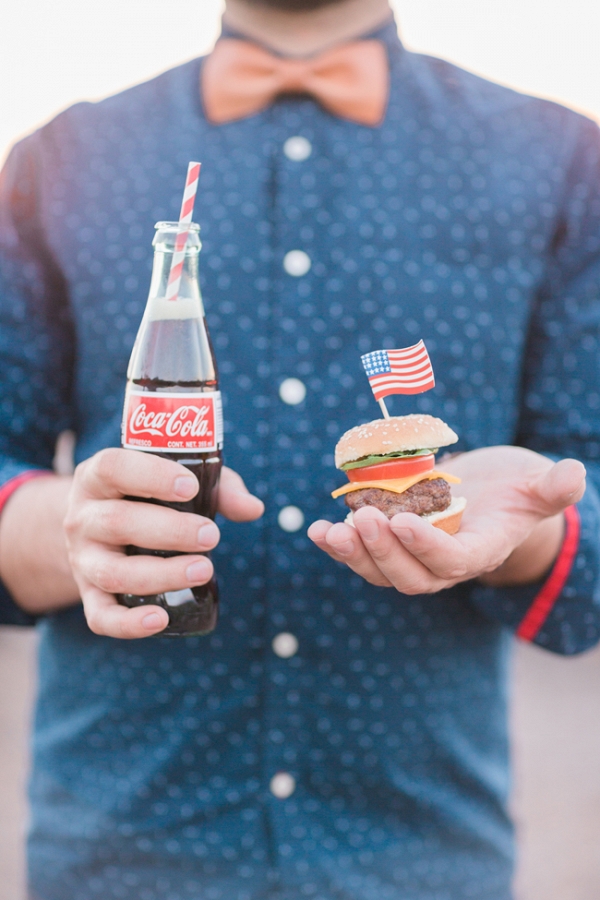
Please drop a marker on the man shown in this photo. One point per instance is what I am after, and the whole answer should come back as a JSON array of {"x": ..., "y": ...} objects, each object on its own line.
[{"x": 342, "y": 734}]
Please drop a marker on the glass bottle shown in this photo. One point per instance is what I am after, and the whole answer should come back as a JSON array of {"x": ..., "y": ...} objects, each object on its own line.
[{"x": 173, "y": 409}]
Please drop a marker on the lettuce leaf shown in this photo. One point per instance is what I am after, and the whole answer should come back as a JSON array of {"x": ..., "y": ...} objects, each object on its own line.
[{"x": 374, "y": 460}]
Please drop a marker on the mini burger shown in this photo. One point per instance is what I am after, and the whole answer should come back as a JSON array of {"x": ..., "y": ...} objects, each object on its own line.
[{"x": 390, "y": 465}]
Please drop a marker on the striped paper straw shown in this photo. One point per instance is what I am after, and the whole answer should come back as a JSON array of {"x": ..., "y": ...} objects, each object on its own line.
[{"x": 185, "y": 218}]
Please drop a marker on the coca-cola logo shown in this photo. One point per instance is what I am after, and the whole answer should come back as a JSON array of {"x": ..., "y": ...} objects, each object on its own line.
[
  {"x": 169, "y": 423},
  {"x": 186, "y": 421}
]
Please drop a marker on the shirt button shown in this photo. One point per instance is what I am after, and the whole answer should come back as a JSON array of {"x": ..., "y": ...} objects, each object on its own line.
[
  {"x": 292, "y": 391},
  {"x": 296, "y": 263},
  {"x": 285, "y": 645},
  {"x": 297, "y": 148},
  {"x": 282, "y": 785},
  {"x": 290, "y": 518}
]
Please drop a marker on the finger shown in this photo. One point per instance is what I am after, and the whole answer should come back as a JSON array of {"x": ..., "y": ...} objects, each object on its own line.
[
  {"x": 559, "y": 487},
  {"x": 121, "y": 522},
  {"x": 338, "y": 540},
  {"x": 317, "y": 533},
  {"x": 405, "y": 571},
  {"x": 449, "y": 558},
  {"x": 115, "y": 473},
  {"x": 235, "y": 500},
  {"x": 343, "y": 543},
  {"x": 115, "y": 573},
  {"x": 106, "y": 617}
]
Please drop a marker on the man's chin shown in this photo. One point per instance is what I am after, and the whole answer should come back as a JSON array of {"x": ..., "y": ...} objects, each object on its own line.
[{"x": 293, "y": 5}]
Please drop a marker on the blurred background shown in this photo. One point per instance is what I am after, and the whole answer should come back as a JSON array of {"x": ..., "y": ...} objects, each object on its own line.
[{"x": 53, "y": 54}]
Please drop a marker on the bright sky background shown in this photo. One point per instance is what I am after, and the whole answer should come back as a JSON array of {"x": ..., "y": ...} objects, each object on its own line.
[{"x": 54, "y": 52}]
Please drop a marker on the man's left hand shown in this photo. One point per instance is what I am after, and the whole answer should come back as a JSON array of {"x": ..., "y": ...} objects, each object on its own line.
[{"x": 511, "y": 530}]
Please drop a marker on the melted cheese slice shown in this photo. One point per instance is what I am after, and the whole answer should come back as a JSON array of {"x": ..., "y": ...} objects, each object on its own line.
[{"x": 396, "y": 485}]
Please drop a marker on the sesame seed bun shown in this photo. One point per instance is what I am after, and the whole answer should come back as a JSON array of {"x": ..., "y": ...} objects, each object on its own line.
[{"x": 414, "y": 432}]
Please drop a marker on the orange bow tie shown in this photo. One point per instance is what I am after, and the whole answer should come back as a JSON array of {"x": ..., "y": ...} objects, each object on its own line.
[{"x": 351, "y": 81}]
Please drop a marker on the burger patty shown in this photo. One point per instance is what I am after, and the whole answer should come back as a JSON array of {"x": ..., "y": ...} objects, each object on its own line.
[{"x": 422, "y": 498}]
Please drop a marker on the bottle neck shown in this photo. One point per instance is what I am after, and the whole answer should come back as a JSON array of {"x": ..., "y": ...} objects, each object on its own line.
[
  {"x": 188, "y": 304},
  {"x": 172, "y": 349}
]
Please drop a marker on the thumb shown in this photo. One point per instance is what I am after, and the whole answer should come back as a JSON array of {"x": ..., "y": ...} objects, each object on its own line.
[
  {"x": 560, "y": 486},
  {"x": 235, "y": 500}
]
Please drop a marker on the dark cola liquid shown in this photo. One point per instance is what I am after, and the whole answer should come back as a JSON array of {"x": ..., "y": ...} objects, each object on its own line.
[
  {"x": 191, "y": 610},
  {"x": 182, "y": 349}
]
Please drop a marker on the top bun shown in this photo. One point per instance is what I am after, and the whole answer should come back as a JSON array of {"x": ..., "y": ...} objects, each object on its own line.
[{"x": 382, "y": 436}]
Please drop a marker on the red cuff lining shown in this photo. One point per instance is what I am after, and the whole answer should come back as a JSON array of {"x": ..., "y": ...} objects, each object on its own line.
[
  {"x": 543, "y": 603},
  {"x": 8, "y": 489}
]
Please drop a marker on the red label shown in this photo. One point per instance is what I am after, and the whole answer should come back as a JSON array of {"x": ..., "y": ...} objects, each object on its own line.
[{"x": 172, "y": 423}]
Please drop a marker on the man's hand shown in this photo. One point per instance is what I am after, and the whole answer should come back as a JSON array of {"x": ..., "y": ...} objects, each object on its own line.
[
  {"x": 99, "y": 524},
  {"x": 512, "y": 526}
]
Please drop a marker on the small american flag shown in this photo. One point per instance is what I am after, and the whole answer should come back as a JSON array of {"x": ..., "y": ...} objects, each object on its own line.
[{"x": 406, "y": 371}]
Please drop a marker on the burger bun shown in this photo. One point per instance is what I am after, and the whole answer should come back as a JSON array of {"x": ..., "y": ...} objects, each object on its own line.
[
  {"x": 449, "y": 519},
  {"x": 394, "y": 435}
]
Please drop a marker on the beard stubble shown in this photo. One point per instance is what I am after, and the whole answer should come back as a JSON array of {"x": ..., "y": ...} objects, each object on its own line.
[{"x": 293, "y": 5}]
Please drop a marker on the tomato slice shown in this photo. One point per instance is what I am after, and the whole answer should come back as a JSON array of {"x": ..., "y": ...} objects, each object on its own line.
[{"x": 395, "y": 468}]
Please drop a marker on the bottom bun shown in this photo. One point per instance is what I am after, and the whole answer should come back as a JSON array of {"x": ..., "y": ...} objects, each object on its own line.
[{"x": 448, "y": 520}]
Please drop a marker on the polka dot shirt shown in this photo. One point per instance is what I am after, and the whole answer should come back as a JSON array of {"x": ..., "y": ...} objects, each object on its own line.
[{"x": 330, "y": 740}]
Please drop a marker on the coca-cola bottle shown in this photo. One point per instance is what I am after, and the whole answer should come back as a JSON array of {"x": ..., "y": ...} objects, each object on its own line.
[{"x": 173, "y": 409}]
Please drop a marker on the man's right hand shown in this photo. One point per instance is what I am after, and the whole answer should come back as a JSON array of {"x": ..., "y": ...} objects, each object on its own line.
[
  {"x": 63, "y": 537},
  {"x": 99, "y": 524}
]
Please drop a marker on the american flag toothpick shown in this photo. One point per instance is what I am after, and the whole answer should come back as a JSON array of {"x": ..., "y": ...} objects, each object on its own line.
[{"x": 404, "y": 371}]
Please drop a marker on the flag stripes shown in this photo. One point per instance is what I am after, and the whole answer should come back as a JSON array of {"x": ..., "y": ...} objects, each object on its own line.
[{"x": 403, "y": 371}]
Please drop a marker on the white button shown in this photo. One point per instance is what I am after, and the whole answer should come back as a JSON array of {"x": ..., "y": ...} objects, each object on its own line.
[
  {"x": 285, "y": 644},
  {"x": 292, "y": 391},
  {"x": 297, "y": 148},
  {"x": 296, "y": 263},
  {"x": 282, "y": 785},
  {"x": 290, "y": 518}
]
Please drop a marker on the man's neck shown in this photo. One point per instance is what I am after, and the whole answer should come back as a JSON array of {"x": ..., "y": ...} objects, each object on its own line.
[{"x": 309, "y": 31}]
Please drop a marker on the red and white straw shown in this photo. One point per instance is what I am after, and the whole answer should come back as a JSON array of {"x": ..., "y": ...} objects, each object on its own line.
[{"x": 185, "y": 219}]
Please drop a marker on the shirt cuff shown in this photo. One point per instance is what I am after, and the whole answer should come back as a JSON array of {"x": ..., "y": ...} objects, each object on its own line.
[
  {"x": 13, "y": 484},
  {"x": 10, "y": 612},
  {"x": 544, "y": 601},
  {"x": 561, "y": 612}
]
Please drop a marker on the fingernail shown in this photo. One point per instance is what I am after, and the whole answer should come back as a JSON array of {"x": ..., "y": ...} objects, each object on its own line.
[
  {"x": 344, "y": 549},
  {"x": 152, "y": 621},
  {"x": 185, "y": 486},
  {"x": 198, "y": 572},
  {"x": 405, "y": 535},
  {"x": 369, "y": 530},
  {"x": 208, "y": 535},
  {"x": 577, "y": 489}
]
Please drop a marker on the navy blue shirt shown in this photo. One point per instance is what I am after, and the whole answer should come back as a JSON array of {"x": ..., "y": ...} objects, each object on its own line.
[{"x": 470, "y": 218}]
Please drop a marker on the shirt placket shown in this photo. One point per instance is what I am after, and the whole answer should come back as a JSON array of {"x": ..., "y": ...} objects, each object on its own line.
[{"x": 289, "y": 632}]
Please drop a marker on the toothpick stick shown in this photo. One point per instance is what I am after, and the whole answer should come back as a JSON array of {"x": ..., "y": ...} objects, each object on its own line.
[{"x": 386, "y": 414}]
